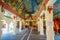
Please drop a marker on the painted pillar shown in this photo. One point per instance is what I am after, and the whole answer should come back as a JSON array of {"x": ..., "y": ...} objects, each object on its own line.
[
  {"x": 7, "y": 26},
  {"x": 41, "y": 26},
  {"x": 0, "y": 27},
  {"x": 0, "y": 23},
  {"x": 49, "y": 23},
  {"x": 20, "y": 25},
  {"x": 7, "y": 21},
  {"x": 14, "y": 29},
  {"x": 38, "y": 22}
]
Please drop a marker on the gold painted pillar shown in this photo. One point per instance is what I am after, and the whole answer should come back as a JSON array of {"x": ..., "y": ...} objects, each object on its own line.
[{"x": 49, "y": 23}]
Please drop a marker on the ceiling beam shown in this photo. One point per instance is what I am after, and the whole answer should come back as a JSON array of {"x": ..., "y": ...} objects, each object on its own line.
[{"x": 42, "y": 7}]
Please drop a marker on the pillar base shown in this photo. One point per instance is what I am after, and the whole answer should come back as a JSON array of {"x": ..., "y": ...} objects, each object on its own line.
[
  {"x": 50, "y": 35},
  {"x": 0, "y": 34}
]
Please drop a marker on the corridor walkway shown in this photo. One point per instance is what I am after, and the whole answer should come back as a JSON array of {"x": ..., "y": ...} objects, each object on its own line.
[
  {"x": 18, "y": 36},
  {"x": 36, "y": 36},
  {"x": 24, "y": 35}
]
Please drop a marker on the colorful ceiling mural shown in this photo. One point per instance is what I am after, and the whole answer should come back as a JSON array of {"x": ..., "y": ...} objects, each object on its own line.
[
  {"x": 24, "y": 7},
  {"x": 56, "y": 7},
  {"x": 27, "y": 5}
]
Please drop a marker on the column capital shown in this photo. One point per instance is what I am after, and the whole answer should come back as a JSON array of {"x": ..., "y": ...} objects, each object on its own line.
[{"x": 51, "y": 2}]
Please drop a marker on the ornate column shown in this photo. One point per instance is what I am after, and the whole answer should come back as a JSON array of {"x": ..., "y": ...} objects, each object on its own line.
[
  {"x": 38, "y": 22},
  {"x": 7, "y": 24},
  {"x": 41, "y": 26},
  {"x": 15, "y": 24},
  {"x": 14, "y": 29},
  {"x": 6, "y": 27},
  {"x": 0, "y": 23},
  {"x": 20, "y": 25},
  {"x": 0, "y": 26},
  {"x": 8, "y": 21},
  {"x": 49, "y": 23}
]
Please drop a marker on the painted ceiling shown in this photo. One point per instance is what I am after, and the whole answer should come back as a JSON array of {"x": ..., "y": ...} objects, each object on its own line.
[
  {"x": 28, "y": 7},
  {"x": 24, "y": 7},
  {"x": 56, "y": 7}
]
